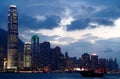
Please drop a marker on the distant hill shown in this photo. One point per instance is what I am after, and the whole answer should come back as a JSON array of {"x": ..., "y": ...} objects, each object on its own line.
[{"x": 3, "y": 42}]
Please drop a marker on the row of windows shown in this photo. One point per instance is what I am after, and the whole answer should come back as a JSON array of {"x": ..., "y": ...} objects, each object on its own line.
[
  {"x": 13, "y": 26},
  {"x": 13, "y": 36},
  {"x": 12, "y": 45}
]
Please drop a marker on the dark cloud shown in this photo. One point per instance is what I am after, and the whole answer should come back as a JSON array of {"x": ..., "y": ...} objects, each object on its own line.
[
  {"x": 27, "y": 21},
  {"x": 32, "y": 23},
  {"x": 109, "y": 13},
  {"x": 102, "y": 21},
  {"x": 50, "y": 22},
  {"x": 79, "y": 24},
  {"x": 104, "y": 2},
  {"x": 84, "y": 23},
  {"x": 34, "y": 8},
  {"x": 45, "y": 8}
]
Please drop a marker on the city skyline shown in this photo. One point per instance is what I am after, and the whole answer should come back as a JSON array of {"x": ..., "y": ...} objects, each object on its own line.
[{"x": 82, "y": 27}]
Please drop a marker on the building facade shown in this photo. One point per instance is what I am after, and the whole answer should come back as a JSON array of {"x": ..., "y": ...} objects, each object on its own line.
[
  {"x": 12, "y": 54},
  {"x": 27, "y": 55},
  {"x": 35, "y": 50},
  {"x": 59, "y": 59},
  {"x": 45, "y": 55},
  {"x": 94, "y": 61},
  {"x": 86, "y": 60}
]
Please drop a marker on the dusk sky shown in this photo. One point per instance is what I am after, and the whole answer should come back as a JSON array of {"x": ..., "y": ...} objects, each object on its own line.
[{"x": 77, "y": 26}]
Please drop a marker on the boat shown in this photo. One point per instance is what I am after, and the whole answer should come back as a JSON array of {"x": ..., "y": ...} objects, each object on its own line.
[{"x": 93, "y": 73}]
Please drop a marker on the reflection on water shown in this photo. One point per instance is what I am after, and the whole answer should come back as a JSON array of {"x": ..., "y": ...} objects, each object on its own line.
[{"x": 53, "y": 76}]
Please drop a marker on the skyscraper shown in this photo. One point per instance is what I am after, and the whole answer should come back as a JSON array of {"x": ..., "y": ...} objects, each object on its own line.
[
  {"x": 27, "y": 55},
  {"x": 35, "y": 52},
  {"x": 94, "y": 61},
  {"x": 85, "y": 60},
  {"x": 59, "y": 57},
  {"x": 45, "y": 54},
  {"x": 12, "y": 54}
]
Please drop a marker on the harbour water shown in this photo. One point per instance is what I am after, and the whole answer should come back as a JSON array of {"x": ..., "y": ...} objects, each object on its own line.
[{"x": 52, "y": 76}]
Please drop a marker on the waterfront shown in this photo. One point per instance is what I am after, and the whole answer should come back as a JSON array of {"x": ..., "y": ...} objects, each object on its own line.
[{"x": 52, "y": 76}]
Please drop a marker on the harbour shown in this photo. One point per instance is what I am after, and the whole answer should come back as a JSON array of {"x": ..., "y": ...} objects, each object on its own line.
[{"x": 54, "y": 76}]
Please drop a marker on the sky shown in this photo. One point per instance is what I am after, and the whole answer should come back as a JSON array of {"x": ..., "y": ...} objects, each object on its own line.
[{"x": 77, "y": 26}]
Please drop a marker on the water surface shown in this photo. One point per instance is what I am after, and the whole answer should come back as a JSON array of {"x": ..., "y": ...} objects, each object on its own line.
[{"x": 52, "y": 76}]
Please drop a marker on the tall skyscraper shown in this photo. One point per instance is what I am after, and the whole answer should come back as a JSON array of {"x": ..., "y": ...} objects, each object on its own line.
[
  {"x": 35, "y": 52},
  {"x": 12, "y": 55},
  {"x": 45, "y": 53},
  {"x": 85, "y": 60},
  {"x": 27, "y": 55},
  {"x": 94, "y": 61}
]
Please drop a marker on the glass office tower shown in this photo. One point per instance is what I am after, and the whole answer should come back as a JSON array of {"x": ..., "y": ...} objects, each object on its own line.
[{"x": 12, "y": 55}]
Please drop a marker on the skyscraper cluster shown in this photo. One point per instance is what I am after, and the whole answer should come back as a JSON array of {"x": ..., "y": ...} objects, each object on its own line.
[
  {"x": 38, "y": 56},
  {"x": 45, "y": 58},
  {"x": 42, "y": 57}
]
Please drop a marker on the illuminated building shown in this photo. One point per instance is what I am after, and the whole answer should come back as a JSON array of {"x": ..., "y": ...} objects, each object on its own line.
[
  {"x": 94, "y": 61},
  {"x": 27, "y": 55},
  {"x": 5, "y": 64},
  {"x": 69, "y": 64},
  {"x": 35, "y": 52},
  {"x": 85, "y": 60},
  {"x": 12, "y": 54}
]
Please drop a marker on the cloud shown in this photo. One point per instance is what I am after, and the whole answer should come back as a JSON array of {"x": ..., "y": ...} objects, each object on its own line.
[
  {"x": 79, "y": 24},
  {"x": 40, "y": 18},
  {"x": 67, "y": 18},
  {"x": 108, "y": 13},
  {"x": 41, "y": 22},
  {"x": 27, "y": 35},
  {"x": 103, "y": 2},
  {"x": 100, "y": 32}
]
